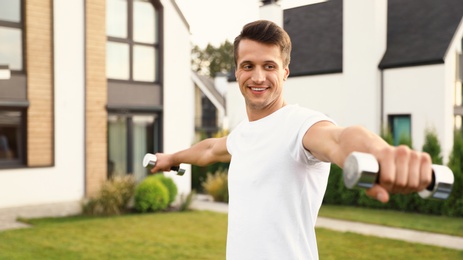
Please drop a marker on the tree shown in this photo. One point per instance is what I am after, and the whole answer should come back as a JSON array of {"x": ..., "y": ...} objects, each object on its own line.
[
  {"x": 212, "y": 60},
  {"x": 432, "y": 146}
]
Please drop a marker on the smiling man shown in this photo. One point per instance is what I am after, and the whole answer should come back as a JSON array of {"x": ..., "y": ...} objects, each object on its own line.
[{"x": 280, "y": 156}]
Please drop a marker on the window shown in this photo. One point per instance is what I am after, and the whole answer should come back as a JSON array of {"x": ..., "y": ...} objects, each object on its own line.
[
  {"x": 12, "y": 90},
  {"x": 132, "y": 46},
  {"x": 401, "y": 128},
  {"x": 11, "y": 46},
  {"x": 11, "y": 137},
  {"x": 130, "y": 137}
]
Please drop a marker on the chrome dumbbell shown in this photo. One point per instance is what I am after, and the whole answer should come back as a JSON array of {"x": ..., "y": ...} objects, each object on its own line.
[
  {"x": 149, "y": 161},
  {"x": 361, "y": 170}
]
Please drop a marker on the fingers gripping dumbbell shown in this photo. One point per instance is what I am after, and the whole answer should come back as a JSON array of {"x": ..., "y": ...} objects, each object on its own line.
[
  {"x": 361, "y": 170},
  {"x": 149, "y": 161}
]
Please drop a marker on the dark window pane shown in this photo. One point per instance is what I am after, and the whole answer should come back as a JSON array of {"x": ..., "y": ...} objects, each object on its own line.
[
  {"x": 117, "y": 142},
  {"x": 10, "y": 10},
  {"x": 401, "y": 128},
  {"x": 144, "y": 22},
  {"x": 10, "y": 135},
  {"x": 11, "y": 48},
  {"x": 116, "y": 18},
  {"x": 143, "y": 134}
]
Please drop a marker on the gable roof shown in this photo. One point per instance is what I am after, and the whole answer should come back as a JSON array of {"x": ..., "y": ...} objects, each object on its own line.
[
  {"x": 316, "y": 36},
  {"x": 419, "y": 32},
  {"x": 206, "y": 85}
]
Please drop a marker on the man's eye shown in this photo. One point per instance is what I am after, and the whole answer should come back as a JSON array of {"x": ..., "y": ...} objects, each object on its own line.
[
  {"x": 269, "y": 67},
  {"x": 247, "y": 67}
]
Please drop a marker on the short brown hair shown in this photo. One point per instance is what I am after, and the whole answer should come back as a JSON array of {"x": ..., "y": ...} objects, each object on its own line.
[{"x": 265, "y": 32}]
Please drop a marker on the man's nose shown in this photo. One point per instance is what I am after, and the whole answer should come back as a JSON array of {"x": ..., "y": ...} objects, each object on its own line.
[{"x": 258, "y": 76}]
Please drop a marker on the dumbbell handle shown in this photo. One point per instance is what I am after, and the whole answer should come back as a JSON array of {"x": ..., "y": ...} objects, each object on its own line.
[
  {"x": 361, "y": 170},
  {"x": 149, "y": 161}
]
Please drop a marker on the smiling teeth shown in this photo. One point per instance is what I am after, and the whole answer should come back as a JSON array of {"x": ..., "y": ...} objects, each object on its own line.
[{"x": 258, "y": 89}]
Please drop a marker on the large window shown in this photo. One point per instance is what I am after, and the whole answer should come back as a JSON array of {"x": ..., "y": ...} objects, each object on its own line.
[
  {"x": 401, "y": 128},
  {"x": 11, "y": 34},
  {"x": 132, "y": 46},
  {"x": 12, "y": 112},
  {"x": 130, "y": 137}
]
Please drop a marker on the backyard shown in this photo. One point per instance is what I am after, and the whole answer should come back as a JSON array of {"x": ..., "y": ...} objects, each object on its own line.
[{"x": 202, "y": 235}]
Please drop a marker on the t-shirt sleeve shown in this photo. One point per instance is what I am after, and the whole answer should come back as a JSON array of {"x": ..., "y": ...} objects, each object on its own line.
[{"x": 312, "y": 119}]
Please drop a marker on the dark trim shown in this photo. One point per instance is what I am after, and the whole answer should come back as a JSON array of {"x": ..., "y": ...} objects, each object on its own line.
[
  {"x": 129, "y": 143},
  {"x": 411, "y": 64},
  {"x": 52, "y": 81},
  {"x": 14, "y": 104},
  {"x": 85, "y": 105},
  {"x": 133, "y": 109},
  {"x": 458, "y": 110},
  {"x": 151, "y": 83},
  {"x": 314, "y": 73}
]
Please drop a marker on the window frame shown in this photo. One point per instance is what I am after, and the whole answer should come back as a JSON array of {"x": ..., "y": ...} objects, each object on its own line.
[
  {"x": 131, "y": 43},
  {"x": 18, "y": 84}
]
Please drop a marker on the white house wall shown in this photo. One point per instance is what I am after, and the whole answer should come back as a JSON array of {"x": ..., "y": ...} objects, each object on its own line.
[
  {"x": 422, "y": 92},
  {"x": 178, "y": 90},
  {"x": 322, "y": 93},
  {"x": 65, "y": 180}
]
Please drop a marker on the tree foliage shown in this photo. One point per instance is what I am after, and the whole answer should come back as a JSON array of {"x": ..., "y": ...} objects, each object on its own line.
[{"x": 212, "y": 60}]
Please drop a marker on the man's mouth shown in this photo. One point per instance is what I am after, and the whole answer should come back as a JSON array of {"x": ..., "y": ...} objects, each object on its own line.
[{"x": 258, "y": 89}]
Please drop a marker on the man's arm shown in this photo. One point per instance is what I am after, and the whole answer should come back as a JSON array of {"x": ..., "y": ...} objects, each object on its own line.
[
  {"x": 402, "y": 169},
  {"x": 206, "y": 152}
]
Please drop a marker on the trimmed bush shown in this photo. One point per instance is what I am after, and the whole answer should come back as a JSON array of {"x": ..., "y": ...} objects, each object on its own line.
[
  {"x": 216, "y": 185},
  {"x": 151, "y": 195},
  {"x": 170, "y": 185},
  {"x": 113, "y": 198}
]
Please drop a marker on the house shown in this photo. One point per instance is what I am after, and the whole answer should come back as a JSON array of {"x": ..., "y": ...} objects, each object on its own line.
[
  {"x": 94, "y": 85},
  {"x": 210, "y": 113},
  {"x": 376, "y": 63}
]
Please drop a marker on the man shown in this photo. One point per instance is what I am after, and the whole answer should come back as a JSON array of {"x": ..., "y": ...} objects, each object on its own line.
[{"x": 279, "y": 157}]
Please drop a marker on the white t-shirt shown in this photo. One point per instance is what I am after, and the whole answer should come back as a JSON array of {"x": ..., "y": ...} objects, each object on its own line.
[{"x": 276, "y": 187}]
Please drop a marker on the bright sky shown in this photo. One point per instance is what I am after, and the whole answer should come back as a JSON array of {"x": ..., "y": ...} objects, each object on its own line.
[{"x": 214, "y": 21}]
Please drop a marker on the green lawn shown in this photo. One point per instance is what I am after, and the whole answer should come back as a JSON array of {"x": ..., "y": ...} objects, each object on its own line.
[{"x": 178, "y": 235}]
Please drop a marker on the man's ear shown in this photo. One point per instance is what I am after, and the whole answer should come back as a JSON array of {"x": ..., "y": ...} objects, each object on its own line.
[{"x": 286, "y": 73}]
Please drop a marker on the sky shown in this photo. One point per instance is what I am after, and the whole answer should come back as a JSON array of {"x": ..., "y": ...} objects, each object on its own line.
[{"x": 215, "y": 21}]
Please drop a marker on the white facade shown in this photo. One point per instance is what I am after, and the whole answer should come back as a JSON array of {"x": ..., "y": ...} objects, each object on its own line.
[
  {"x": 65, "y": 180},
  {"x": 353, "y": 97},
  {"x": 178, "y": 91}
]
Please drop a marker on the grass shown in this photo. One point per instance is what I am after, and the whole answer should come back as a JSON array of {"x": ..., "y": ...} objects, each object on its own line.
[
  {"x": 429, "y": 223},
  {"x": 178, "y": 235}
]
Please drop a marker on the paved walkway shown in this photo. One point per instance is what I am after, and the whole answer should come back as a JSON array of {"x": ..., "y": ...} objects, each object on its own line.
[
  {"x": 427, "y": 238},
  {"x": 8, "y": 221}
]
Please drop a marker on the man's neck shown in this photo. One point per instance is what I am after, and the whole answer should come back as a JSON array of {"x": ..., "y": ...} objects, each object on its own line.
[{"x": 255, "y": 114}]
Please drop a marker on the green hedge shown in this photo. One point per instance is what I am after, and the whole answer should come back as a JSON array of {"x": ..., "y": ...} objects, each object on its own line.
[
  {"x": 151, "y": 195},
  {"x": 338, "y": 194}
]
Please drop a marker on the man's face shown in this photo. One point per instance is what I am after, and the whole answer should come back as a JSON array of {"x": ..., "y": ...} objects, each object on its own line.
[{"x": 260, "y": 74}]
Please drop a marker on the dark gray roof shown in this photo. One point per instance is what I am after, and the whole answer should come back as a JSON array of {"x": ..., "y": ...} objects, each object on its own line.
[
  {"x": 316, "y": 35},
  {"x": 419, "y": 32}
]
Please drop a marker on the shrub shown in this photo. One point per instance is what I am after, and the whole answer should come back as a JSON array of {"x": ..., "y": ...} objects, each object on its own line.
[
  {"x": 113, "y": 198},
  {"x": 151, "y": 195},
  {"x": 216, "y": 185},
  {"x": 432, "y": 146},
  {"x": 454, "y": 204},
  {"x": 170, "y": 185}
]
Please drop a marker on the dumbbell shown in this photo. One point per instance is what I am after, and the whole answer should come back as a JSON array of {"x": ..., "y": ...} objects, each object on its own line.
[
  {"x": 361, "y": 170},
  {"x": 149, "y": 161}
]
